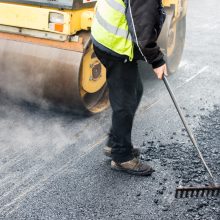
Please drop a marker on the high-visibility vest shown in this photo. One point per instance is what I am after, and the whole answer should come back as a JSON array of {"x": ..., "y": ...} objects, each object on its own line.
[{"x": 110, "y": 27}]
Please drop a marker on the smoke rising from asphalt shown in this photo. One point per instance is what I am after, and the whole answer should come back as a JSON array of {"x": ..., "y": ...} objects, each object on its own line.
[
  {"x": 42, "y": 133},
  {"x": 18, "y": 87},
  {"x": 22, "y": 130}
]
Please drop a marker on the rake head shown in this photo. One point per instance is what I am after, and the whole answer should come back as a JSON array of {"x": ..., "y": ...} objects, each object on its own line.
[{"x": 201, "y": 191}]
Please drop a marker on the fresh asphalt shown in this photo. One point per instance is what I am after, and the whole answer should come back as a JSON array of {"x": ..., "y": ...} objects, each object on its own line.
[{"x": 52, "y": 166}]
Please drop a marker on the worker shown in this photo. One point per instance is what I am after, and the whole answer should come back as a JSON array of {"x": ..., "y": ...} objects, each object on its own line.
[{"x": 123, "y": 32}]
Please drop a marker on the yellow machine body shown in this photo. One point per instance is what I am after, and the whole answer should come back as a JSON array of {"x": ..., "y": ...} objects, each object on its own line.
[
  {"x": 179, "y": 7},
  {"x": 35, "y": 17}
]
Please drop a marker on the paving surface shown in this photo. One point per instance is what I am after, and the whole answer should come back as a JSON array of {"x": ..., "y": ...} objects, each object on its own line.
[{"x": 52, "y": 167}]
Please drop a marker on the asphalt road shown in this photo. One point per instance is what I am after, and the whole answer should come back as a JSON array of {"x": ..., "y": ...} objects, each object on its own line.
[{"x": 52, "y": 166}]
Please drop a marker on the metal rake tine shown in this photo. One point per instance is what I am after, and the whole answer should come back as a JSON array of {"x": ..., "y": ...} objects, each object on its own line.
[
  {"x": 181, "y": 193},
  {"x": 176, "y": 194},
  {"x": 192, "y": 193},
  {"x": 208, "y": 192},
  {"x": 218, "y": 191},
  {"x": 203, "y": 191},
  {"x": 187, "y": 193},
  {"x": 213, "y": 192},
  {"x": 197, "y": 193}
]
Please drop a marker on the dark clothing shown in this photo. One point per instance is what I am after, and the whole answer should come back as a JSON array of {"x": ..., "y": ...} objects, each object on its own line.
[
  {"x": 125, "y": 92},
  {"x": 145, "y": 19}
]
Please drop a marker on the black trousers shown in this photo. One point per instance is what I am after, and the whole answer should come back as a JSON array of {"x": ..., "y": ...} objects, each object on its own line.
[{"x": 125, "y": 92}]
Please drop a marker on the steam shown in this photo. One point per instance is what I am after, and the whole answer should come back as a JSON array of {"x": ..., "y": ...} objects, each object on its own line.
[
  {"x": 33, "y": 133},
  {"x": 17, "y": 86}
]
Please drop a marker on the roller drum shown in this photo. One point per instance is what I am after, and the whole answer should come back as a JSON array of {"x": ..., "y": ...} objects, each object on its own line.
[
  {"x": 45, "y": 75},
  {"x": 172, "y": 39}
]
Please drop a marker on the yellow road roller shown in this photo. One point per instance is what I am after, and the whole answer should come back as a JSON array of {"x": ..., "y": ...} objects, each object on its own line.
[{"x": 46, "y": 54}]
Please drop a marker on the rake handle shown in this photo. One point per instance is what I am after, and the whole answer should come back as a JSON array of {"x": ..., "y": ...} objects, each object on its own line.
[{"x": 191, "y": 136}]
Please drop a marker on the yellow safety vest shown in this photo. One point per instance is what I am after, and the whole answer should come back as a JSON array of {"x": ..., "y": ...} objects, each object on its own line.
[{"x": 110, "y": 27}]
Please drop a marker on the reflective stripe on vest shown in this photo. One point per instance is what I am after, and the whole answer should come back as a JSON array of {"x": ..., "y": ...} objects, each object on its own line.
[{"x": 110, "y": 27}]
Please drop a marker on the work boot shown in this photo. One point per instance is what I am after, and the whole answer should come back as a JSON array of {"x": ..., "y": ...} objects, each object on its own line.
[
  {"x": 134, "y": 166},
  {"x": 108, "y": 151}
]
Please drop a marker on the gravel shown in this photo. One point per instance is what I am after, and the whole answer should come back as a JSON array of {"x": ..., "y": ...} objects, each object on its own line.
[{"x": 182, "y": 159}]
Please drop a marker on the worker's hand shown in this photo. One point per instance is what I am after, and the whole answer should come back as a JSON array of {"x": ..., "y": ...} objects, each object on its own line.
[{"x": 160, "y": 71}]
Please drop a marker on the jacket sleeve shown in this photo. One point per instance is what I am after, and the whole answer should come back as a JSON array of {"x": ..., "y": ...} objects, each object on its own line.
[{"x": 145, "y": 19}]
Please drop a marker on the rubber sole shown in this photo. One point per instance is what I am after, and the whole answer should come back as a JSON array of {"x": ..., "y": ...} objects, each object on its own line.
[{"x": 137, "y": 173}]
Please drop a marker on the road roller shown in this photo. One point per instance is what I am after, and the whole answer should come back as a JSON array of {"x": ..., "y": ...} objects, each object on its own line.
[{"x": 46, "y": 54}]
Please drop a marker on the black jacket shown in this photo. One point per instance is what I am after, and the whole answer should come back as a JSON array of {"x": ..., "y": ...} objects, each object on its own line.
[{"x": 145, "y": 19}]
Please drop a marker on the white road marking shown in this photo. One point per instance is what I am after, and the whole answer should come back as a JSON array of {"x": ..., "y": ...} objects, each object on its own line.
[
  {"x": 14, "y": 204},
  {"x": 200, "y": 71},
  {"x": 178, "y": 87}
]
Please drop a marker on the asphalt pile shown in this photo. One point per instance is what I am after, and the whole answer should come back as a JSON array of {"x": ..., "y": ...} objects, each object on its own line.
[{"x": 181, "y": 159}]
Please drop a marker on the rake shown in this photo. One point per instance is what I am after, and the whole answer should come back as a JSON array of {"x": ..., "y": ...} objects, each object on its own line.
[{"x": 213, "y": 189}]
